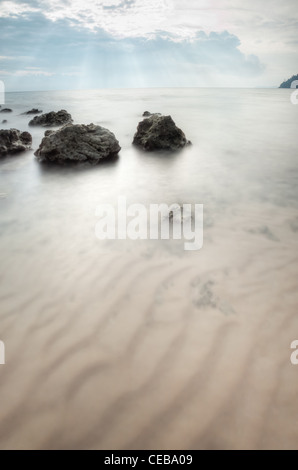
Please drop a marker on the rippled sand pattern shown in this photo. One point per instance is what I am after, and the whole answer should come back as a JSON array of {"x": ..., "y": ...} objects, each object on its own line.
[{"x": 129, "y": 351}]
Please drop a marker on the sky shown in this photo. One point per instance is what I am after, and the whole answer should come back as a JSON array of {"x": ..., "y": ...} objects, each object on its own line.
[{"x": 89, "y": 44}]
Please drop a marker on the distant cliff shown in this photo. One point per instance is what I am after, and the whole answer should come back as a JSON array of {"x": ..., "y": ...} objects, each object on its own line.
[{"x": 287, "y": 84}]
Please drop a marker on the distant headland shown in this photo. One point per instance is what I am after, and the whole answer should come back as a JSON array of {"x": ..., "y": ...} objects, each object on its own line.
[{"x": 287, "y": 83}]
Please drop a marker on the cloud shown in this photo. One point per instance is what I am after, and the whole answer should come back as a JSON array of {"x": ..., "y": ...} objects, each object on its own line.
[
  {"x": 139, "y": 18},
  {"x": 124, "y": 4},
  {"x": 35, "y": 72},
  {"x": 216, "y": 51},
  {"x": 263, "y": 27},
  {"x": 29, "y": 71},
  {"x": 56, "y": 50},
  {"x": 5, "y": 58},
  {"x": 99, "y": 43},
  {"x": 125, "y": 18},
  {"x": 15, "y": 9}
]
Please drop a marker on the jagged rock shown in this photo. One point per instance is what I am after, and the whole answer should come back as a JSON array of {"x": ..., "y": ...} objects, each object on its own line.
[
  {"x": 6, "y": 110},
  {"x": 13, "y": 141},
  {"x": 51, "y": 119},
  {"x": 78, "y": 143},
  {"x": 33, "y": 111},
  {"x": 159, "y": 133}
]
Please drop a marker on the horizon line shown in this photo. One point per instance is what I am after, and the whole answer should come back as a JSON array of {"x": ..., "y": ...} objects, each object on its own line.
[{"x": 149, "y": 88}]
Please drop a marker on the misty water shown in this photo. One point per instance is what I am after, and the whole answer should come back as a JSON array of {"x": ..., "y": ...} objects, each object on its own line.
[
  {"x": 98, "y": 333},
  {"x": 244, "y": 149}
]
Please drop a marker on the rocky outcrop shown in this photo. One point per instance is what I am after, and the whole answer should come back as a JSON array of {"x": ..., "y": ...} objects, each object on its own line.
[
  {"x": 288, "y": 83},
  {"x": 159, "y": 133},
  {"x": 6, "y": 110},
  {"x": 33, "y": 111},
  {"x": 13, "y": 141},
  {"x": 78, "y": 143},
  {"x": 51, "y": 119}
]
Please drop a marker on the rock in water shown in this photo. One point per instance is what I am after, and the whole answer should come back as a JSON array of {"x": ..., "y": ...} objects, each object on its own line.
[
  {"x": 159, "y": 133},
  {"x": 13, "y": 141},
  {"x": 78, "y": 143},
  {"x": 147, "y": 114},
  {"x": 6, "y": 110},
  {"x": 33, "y": 111},
  {"x": 51, "y": 119}
]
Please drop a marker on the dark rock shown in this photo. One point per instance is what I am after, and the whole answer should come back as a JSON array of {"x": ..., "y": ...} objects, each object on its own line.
[
  {"x": 51, "y": 119},
  {"x": 6, "y": 110},
  {"x": 47, "y": 133},
  {"x": 78, "y": 143},
  {"x": 159, "y": 133},
  {"x": 26, "y": 138},
  {"x": 13, "y": 141},
  {"x": 33, "y": 111},
  {"x": 4, "y": 121}
]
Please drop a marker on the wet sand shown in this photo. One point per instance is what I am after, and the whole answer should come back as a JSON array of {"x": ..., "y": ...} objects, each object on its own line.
[{"x": 144, "y": 351}]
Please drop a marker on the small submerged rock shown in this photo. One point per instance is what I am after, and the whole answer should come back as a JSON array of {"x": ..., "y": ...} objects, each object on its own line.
[
  {"x": 51, "y": 119},
  {"x": 159, "y": 132},
  {"x": 33, "y": 111},
  {"x": 78, "y": 143},
  {"x": 4, "y": 121},
  {"x": 147, "y": 114},
  {"x": 14, "y": 141},
  {"x": 6, "y": 110}
]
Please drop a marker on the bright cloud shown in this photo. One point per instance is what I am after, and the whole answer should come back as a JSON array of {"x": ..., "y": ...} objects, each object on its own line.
[
  {"x": 262, "y": 26},
  {"x": 124, "y": 18},
  {"x": 193, "y": 43},
  {"x": 254, "y": 20},
  {"x": 15, "y": 9}
]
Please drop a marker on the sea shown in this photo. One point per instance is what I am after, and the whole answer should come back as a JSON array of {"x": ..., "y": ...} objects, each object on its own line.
[{"x": 140, "y": 344}]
